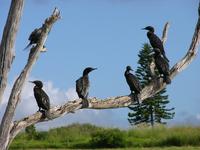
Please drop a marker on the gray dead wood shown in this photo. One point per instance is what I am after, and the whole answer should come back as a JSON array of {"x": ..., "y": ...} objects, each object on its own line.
[
  {"x": 119, "y": 101},
  {"x": 7, "y": 124},
  {"x": 8, "y": 41}
]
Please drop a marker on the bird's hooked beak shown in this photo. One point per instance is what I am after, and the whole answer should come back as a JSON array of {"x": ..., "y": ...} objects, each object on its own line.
[
  {"x": 143, "y": 29},
  {"x": 131, "y": 69},
  {"x": 31, "y": 82},
  {"x": 94, "y": 68}
]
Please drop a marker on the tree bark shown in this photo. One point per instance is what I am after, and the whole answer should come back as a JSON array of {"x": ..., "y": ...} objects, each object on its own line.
[
  {"x": 15, "y": 95},
  {"x": 8, "y": 41},
  {"x": 9, "y": 129},
  {"x": 119, "y": 101}
]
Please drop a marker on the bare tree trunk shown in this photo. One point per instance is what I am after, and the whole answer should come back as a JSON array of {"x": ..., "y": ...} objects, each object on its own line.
[
  {"x": 119, "y": 101},
  {"x": 9, "y": 129},
  {"x": 7, "y": 124},
  {"x": 8, "y": 41}
]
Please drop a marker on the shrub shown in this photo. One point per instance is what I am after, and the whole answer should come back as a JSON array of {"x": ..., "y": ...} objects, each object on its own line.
[{"x": 108, "y": 138}]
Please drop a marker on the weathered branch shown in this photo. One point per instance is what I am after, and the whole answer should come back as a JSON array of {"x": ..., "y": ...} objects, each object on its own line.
[
  {"x": 6, "y": 124},
  {"x": 8, "y": 41},
  {"x": 165, "y": 32},
  {"x": 71, "y": 106},
  {"x": 114, "y": 102}
]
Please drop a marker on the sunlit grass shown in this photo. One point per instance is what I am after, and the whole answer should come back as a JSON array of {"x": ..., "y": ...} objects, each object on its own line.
[{"x": 89, "y": 136}]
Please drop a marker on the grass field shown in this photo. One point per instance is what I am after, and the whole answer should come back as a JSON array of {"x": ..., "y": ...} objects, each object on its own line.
[
  {"x": 152, "y": 148},
  {"x": 87, "y": 136}
]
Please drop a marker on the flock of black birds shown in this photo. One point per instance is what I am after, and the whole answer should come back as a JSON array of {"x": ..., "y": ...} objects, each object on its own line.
[{"x": 83, "y": 84}]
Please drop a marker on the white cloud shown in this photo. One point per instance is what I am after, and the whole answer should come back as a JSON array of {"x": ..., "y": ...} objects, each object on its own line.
[
  {"x": 71, "y": 94},
  {"x": 108, "y": 117},
  {"x": 28, "y": 106}
]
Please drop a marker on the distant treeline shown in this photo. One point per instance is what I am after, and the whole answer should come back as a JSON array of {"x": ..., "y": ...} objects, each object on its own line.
[{"x": 90, "y": 136}]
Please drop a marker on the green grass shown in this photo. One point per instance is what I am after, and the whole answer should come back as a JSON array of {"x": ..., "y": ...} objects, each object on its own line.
[
  {"x": 152, "y": 148},
  {"x": 88, "y": 136}
]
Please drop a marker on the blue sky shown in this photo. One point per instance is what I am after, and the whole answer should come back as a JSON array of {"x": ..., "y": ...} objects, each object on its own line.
[{"x": 105, "y": 34}]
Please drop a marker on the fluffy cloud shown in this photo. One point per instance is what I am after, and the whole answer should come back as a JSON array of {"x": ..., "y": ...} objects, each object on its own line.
[
  {"x": 28, "y": 106},
  {"x": 108, "y": 118}
]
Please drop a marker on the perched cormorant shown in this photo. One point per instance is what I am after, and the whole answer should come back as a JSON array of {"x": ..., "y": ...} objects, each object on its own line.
[
  {"x": 82, "y": 86},
  {"x": 133, "y": 82},
  {"x": 162, "y": 65},
  {"x": 41, "y": 97},
  {"x": 34, "y": 38},
  {"x": 155, "y": 41}
]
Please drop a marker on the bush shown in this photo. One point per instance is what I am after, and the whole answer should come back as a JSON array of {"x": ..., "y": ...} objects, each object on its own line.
[
  {"x": 31, "y": 132},
  {"x": 108, "y": 138},
  {"x": 41, "y": 136}
]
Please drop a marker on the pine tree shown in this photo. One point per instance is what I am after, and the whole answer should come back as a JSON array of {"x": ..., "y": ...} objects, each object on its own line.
[{"x": 152, "y": 110}]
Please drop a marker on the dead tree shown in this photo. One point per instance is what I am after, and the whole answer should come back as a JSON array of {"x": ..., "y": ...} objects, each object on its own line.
[
  {"x": 7, "y": 123},
  {"x": 9, "y": 128}
]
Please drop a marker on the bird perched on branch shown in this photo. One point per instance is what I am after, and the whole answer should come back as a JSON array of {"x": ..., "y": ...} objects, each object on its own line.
[
  {"x": 41, "y": 97},
  {"x": 155, "y": 41},
  {"x": 162, "y": 65},
  {"x": 82, "y": 86},
  {"x": 133, "y": 83},
  {"x": 34, "y": 38}
]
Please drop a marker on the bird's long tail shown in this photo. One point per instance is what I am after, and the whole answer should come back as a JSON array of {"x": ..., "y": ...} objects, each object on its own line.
[
  {"x": 167, "y": 79},
  {"x": 135, "y": 97},
  {"x": 27, "y": 46}
]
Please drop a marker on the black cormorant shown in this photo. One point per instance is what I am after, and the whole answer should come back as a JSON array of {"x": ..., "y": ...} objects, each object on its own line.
[
  {"x": 133, "y": 82},
  {"x": 155, "y": 40},
  {"x": 41, "y": 97},
  {"x": 34, "y": 37},
  {"x": 162, "y": 65},
  {"x": 82, "y": 86}
]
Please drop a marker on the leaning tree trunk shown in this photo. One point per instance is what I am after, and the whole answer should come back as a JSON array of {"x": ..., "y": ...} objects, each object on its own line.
[
  {"x": 8, "y": 41},
  {"x": 9, "y": 129},
  {"x": 6, "y": 123},
  {"x": 115, "y": 102}
]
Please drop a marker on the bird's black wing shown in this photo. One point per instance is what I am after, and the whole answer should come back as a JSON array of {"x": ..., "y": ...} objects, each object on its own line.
[
  {"x": 133, "y": 83},
  {"x": 41, "y": 98},
  {"x": 82, "y": 87},
  {"x": 162, "y": 65},
  {"x": 79, "y": 87},
  {"x": 156, "y": 42},
  {"x": 45, "y": 100},
  {"x": 86, "y": 85},
  {"x": 35, "y": 35}
]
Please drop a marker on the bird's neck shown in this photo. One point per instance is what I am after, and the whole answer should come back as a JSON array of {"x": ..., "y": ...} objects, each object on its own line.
[
  {"x": 37, "y": 87},
  {"x": 126, "y": 72},
  {"x": 150, "y": 33},
  {"x": 85, "y": 75},
  {"x": 157, "y": 55}
]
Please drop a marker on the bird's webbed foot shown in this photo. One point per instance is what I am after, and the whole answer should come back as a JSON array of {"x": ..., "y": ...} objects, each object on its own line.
[
  {"x": 135, "y": 98},
  {"x": 85, "y": 103},
  {"x": 41, "y": 111}
]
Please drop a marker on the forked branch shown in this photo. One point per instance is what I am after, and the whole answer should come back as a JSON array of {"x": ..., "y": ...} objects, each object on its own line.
[
  {"x": 6, "y": 124},
  {"x": 120, "y": 101}
]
